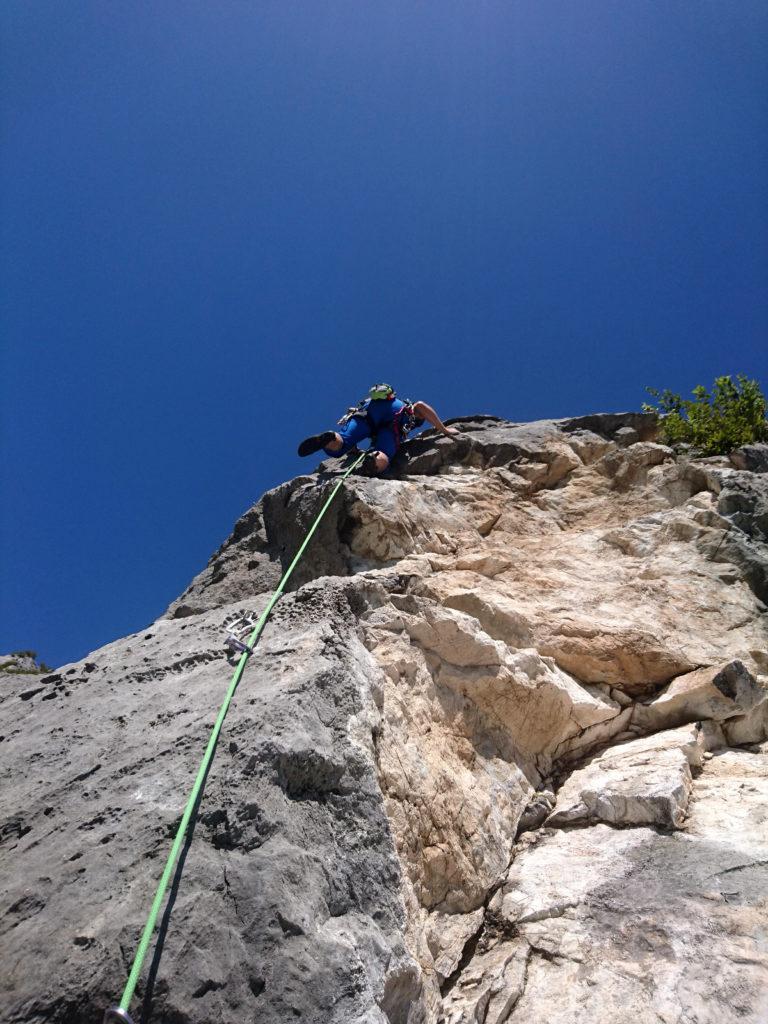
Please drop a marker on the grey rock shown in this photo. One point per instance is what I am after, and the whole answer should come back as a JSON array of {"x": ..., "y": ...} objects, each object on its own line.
[
  {"x": 290, "y": 899},
  {"x": 642, "y": 782},
  {"x": 752, "y": 457},
  {"x": 20, "y": 664},
  {"x": 743, "y": 500},
  {"x": 536, "y": 812},
  {"x": 607, "y": 424},
  {"x": 625, "y": 436},
  {"x": 490, "y": 443},
  {"x": 16, "y": 663}
]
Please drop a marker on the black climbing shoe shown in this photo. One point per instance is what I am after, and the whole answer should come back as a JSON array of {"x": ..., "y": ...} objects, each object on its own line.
[{"x": 313, "y": 444}]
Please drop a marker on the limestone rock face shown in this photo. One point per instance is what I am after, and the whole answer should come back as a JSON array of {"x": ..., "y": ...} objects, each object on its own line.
[
  {"x": 500, "y": 755},
  {"x": 646, "y": 781},
  {"x": 713, "y": 694},
  {"x": 626, "y": 925},
  {"x": 753, "y": 457},
  {"x": 289, "y": 903}
]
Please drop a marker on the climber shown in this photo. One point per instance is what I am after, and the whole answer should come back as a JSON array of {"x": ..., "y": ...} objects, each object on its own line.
[{"x": 383, "y": 418}]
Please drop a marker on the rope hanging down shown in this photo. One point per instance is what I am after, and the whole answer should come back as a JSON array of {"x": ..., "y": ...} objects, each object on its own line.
[{"x": 119, "y": 1014}]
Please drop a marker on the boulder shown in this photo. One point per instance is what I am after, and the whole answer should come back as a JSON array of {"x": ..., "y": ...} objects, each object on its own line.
[
  {"x": 751, "y": 457},
  {"x": 625, "y": 436},
  {"x": 447, "y": 937},
  {"x": 716, "y": 693},
  {"x": 643, "y": 782}
]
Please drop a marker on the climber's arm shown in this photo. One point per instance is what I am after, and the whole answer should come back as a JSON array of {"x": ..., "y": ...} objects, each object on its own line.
[{"x": 426, "y": 412}]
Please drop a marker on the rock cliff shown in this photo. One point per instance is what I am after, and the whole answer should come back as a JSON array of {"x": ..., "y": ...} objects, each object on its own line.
[{"x": 500, "y": 755}]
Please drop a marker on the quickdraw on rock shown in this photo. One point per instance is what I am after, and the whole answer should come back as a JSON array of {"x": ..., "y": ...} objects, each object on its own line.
[{"x": 236, "y": 644}]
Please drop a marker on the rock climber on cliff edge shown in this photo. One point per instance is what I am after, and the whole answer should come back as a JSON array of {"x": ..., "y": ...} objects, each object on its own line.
[{"x": 383, "y": 418}]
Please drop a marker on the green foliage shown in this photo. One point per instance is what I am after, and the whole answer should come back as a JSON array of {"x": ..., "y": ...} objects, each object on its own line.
[
  {"x": 24, "y": 654},
  {"x": 713, "y": 423}
]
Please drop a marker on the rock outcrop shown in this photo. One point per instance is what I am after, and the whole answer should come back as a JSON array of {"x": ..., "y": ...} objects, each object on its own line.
[{"x": 501, "y": 755}]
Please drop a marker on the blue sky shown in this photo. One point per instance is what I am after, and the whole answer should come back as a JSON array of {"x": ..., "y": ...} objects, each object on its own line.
[{"x": 221, "y": 222}]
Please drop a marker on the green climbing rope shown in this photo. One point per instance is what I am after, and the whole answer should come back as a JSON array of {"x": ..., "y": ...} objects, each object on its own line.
[{"x": 120, "y": 1013}]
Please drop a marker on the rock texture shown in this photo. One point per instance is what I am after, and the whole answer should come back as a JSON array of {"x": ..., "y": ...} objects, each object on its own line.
[
  {"x": 643, "y": 782},
  {"x": 500, "y": 755},
  {"x": 22, "y": 663}
]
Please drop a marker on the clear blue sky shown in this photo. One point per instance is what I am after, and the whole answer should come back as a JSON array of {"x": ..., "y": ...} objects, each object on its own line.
[{"x": 221, "y": 222}]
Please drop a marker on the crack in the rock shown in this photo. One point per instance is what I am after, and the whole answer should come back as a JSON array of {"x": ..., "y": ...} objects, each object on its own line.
[
  {"x": 125, "y": 958},
  {"x": 523, "y": 983},
  {"x": 546, "y": 954},
  {"x": 231, "y": 895},
  {"x": 740, "y": 867},
  {"x": 467, "y": 954}
]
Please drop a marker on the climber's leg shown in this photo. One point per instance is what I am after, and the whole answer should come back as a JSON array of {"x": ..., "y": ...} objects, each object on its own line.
[
  {"x": 313, "y": 444},
  {"x": 354, "y": 430},
  {"x": 386, "y": 445},
  {"x": 374, "y": 464}
]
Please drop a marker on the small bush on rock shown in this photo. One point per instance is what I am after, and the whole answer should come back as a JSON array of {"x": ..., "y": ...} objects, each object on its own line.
[{"x": 713, "y": 423}]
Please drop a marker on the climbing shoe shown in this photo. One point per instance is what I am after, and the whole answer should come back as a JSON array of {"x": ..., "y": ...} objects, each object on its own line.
[{"x": 313, "y": 444}]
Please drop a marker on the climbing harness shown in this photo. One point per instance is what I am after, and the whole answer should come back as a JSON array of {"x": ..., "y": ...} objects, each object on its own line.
[
  {"x": 376, "y": 392},
  {"x": 119, "y": 1014},
  {"x": 404, "y": 420},
  {"x": 361, "y": 409}
]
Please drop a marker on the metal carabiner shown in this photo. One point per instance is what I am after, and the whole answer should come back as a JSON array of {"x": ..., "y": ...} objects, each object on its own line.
[
  {"x": 116, "y": 1015},
  {"x": 235, "y": 645}
]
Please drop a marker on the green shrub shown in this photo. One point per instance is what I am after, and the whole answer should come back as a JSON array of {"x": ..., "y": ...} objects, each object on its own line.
[{"x": 713, "y": 423}]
